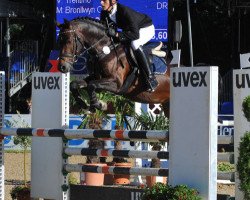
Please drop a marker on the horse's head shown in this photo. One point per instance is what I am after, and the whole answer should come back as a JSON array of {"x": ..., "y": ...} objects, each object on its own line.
[
  {"x": 77, "y": 37},
  {"x": 70, "y": 44}
]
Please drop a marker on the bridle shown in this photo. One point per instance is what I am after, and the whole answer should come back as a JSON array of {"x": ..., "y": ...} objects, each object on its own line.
[{"x": 77, "y": 40}]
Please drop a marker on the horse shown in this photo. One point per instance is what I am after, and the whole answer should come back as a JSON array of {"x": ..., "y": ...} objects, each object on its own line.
[{"x": 112, "y": 66}]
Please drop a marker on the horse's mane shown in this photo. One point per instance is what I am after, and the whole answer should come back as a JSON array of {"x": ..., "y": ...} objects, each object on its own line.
[{"x": 91, "y": 21}]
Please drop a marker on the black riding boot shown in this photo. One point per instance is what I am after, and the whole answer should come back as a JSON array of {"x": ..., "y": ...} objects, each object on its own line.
[{"x": 144, "y": 64}]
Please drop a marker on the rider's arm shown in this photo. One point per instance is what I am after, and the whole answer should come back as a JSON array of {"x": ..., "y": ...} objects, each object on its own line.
[
  {"x": 132, "y": 30},
  {"x": 103, "y": 15}
]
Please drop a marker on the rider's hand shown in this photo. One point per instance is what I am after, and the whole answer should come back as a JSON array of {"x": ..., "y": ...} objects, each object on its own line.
[{"x": 111, "y": 32}]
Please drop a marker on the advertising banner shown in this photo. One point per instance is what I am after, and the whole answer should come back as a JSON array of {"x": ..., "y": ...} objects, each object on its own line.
[{"x": 156, "y": 9}]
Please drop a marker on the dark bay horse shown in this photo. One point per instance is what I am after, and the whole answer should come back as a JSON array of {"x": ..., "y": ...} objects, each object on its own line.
[{"x": 111, "y": 68}]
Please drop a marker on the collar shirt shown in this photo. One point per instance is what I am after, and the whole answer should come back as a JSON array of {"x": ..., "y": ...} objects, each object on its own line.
[{"x": 112, "y": 15}]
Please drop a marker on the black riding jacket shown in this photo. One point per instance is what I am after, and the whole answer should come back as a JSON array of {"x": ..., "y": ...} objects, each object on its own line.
[{"x": 129, "y": 20}]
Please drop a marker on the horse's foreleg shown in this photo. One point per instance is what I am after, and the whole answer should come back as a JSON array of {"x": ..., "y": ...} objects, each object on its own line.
[
  {"x": 166, "y": 107},
  {"x": 94, "y": 103},
  {"x": 74, "y": 88},
  {"x": 105, "y": 85}
]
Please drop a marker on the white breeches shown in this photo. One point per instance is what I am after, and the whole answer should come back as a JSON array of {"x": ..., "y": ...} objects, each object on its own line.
[{"x": 146, "y": 34}]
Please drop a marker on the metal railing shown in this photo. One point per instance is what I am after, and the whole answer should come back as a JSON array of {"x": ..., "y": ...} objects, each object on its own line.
[
  {"x": 226, "y": 88},
  {"x": 23, "y": 61}
]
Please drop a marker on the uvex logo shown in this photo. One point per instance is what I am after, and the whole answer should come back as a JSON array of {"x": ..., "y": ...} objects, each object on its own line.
[
  {"x": 242, "y": 81},
  {"x": 50, "y": 82},
  {"x": 195, "y": 79}
]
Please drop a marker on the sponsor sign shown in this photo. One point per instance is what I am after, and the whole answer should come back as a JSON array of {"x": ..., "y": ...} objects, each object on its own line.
[
  {"x": 194, "y": 79},
  {"x": 242, "y": 81}
]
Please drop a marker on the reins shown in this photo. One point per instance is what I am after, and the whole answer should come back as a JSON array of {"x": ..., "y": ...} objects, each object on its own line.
[{"x": 77, "y": 38}]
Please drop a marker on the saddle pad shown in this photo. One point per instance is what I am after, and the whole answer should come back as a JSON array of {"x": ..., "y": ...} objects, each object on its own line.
[{"x": 159, "y": 66}]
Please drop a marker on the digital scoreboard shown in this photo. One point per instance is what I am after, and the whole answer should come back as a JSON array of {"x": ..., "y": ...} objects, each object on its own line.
[{"x": 156, "y": 9}]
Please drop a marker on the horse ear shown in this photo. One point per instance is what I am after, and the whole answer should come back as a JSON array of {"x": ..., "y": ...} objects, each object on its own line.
[
  {"x": 58, "y": 24},
  {"x": 66, "y": 21}
]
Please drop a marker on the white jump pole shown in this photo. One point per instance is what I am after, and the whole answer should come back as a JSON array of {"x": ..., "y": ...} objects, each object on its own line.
[
  {"x": 193, "y": 129},
  {"x": 50, "y": 103},
  {"x": 241, "y": 89}
]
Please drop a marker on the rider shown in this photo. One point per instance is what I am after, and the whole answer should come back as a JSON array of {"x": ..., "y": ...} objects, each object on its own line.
[{"x": 137, "y": 29}]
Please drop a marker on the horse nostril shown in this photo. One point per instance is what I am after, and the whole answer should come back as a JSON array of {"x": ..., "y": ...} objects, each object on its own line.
[{"x": 63, "y": 68}]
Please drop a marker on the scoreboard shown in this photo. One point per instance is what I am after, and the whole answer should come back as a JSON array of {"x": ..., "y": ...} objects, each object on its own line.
[{"x": 156, "y": 9}]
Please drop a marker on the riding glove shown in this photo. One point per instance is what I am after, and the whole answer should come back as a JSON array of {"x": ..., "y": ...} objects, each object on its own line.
[{"x": 111, "y": 32}]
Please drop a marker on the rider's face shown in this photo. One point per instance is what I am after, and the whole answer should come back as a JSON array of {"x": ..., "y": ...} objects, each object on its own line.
[{"x": 106, "y": 5}]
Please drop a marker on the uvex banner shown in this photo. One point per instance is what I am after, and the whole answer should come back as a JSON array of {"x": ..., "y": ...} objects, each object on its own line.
[
  {"x": 47, "y": 82},
  {"x": 186, "y": 79},
  {"x": 242, "y": 80}
]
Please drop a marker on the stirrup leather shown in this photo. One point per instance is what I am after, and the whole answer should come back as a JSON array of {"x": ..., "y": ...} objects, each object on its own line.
[{"x": 152, "y": 83}]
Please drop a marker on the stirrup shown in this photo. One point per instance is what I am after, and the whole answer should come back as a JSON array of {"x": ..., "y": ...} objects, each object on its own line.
[{"x": 152, "y": 83}]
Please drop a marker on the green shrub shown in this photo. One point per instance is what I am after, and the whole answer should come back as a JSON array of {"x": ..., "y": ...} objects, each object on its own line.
[
  {"x": 246, "y": 107},
  {"x": 19, "y": 190},
  {"x": 225, "y": 167},
  {"x": 243, "y": 165},
  {"x": 162, "y": 191},
  {"x": 72, "y": 179}
]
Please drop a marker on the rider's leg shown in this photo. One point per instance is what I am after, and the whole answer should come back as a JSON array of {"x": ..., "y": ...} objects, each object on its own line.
[
  {"x": 144, "y": 64},
  {"x": 145, "y": 35}
]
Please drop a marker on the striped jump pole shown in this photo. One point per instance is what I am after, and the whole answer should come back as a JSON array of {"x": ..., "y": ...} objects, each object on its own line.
[
  {"x": 88, "y": 134},
  {"x": 117, "y": 153},
  {"x": 133, "y": 171},
  {"x": 117, "y": 170}
]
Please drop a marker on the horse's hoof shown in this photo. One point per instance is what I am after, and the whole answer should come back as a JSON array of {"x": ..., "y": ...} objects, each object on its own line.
[
  {"x": 87, "y": 112},
  {"x": 98, "y": 106},
  {"x": 104, "y": 106},
  {"x": 92, "y": 109},
  {"x": 82, "y": 84},
  {"x": 74, "y": 85}
]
